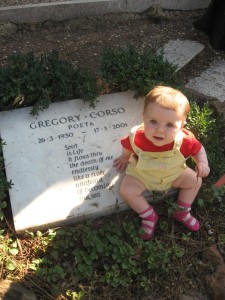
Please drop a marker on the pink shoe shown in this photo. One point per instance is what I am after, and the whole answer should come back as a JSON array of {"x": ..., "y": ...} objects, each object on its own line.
[
  {"x": 149, "y": 227},
  {"x": 187, "y": 220}
]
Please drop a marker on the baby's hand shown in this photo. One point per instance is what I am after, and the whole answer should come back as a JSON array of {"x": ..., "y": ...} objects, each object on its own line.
[
  {"x": 202, "y": 169},
  {"x": 120, "y": 164}
]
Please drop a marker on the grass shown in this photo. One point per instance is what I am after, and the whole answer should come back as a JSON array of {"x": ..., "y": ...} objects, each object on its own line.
[{"x": 104, "y": 258}]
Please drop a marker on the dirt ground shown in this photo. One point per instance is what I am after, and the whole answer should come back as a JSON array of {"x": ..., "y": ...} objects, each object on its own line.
[{"x": 82, "y": 40}]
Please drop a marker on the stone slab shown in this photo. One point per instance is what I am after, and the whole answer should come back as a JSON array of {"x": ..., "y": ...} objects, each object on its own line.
[
  {"x": 211, "y": 82},
  {"x": 180, "y": 53},
  {"x": 141, "y": 5},
  {"x": 60, "y": 162},
  {"x": 63, "y": 10},
  {"x": 59, "y": 11}
]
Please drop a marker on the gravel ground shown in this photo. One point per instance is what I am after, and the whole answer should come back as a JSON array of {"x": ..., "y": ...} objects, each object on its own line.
[{"x": 82, "y": 40}]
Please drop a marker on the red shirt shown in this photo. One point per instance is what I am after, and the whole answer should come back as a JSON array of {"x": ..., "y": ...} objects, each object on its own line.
[{"x": 190, "y": 145}]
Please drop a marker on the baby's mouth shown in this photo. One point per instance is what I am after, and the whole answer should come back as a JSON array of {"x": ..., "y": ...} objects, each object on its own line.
[{"x": 158, "y": 138}]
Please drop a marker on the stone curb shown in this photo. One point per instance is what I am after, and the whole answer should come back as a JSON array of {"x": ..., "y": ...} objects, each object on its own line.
[
  {"x": 62, "y": 10},
  {"x": 211, "y": 81}
]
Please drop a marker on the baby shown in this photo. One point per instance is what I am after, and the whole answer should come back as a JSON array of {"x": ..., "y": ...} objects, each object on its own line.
[{"x": 154, "y": 156}]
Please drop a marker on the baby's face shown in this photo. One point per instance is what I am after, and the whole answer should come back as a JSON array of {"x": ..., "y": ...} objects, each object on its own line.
[{"x": 161, "y": 125}]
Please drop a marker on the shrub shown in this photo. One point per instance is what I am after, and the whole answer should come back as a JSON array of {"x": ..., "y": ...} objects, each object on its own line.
[
  {"x": 30, "y": 81},
  {"x": 208, "y": 126},
  {"x": 126, "y": 69}
]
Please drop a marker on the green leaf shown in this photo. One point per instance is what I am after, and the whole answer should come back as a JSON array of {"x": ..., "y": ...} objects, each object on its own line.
[
  {"x": 3, "y": 204},
  {"x": 14, "y": 251},
  {"x": 10, "y": 266}
]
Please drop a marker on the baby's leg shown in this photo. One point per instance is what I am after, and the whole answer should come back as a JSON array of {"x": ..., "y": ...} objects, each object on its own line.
[
  {"x": 131, "y": 190},
  {"x": 189, "y": 185}
]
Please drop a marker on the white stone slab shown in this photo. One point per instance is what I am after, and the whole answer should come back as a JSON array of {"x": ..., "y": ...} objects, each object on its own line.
[
  {"x": 60, "y": 162},
  {"x": 211, "y": 82},
  {"x": 64, "y": 10},
  {"x": 180, "y": 53}
]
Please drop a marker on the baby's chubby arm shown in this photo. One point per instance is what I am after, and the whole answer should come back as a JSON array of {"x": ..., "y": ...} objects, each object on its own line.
[
  {"x": 202, "y": 166},
  {"x": 120, "y": 163}
]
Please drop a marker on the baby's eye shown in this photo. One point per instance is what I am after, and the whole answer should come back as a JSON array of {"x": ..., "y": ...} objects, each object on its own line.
[
  {"x": 154, "y": 122},
  {"x": 170, "y": 125}
]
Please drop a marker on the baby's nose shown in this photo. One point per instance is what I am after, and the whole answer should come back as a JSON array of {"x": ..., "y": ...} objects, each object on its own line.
[{"x": 160, "y": 128}]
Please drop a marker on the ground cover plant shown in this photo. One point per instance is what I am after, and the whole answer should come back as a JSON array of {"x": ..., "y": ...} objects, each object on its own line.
[{"x": 104, "y": 258}]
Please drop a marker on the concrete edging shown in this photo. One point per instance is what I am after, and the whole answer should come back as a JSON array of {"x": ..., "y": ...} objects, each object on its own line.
[{"x": 63, "y": 10}]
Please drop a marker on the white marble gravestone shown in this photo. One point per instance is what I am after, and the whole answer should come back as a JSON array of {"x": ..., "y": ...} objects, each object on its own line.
[{"x": 60, "y": 162}]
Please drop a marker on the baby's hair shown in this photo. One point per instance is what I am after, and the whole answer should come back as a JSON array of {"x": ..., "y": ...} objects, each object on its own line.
[{"x": 169, "y": 98}]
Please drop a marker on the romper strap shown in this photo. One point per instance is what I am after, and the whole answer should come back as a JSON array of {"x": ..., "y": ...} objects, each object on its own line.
[
  {"x": 178, "y": 140},
  {"x": 132, "y": 135}
]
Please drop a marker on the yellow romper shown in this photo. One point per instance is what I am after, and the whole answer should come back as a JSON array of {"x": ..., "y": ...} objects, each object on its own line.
[{"x": 156, "y": 170}]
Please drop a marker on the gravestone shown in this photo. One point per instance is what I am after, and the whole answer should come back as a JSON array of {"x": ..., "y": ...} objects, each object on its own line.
[{"x": 60, "y": 162}]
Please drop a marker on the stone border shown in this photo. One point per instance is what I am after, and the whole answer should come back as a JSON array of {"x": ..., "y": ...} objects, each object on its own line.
[{"x": 62, "y": 10}]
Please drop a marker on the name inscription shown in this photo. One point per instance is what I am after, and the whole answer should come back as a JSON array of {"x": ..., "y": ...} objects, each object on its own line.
[{"x": 76, "y": 118}]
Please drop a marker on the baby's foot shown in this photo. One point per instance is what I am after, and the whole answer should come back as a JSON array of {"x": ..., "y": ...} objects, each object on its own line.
[
  {"x": 149, "y": 221},
  {"x": 187, "y": 220}
]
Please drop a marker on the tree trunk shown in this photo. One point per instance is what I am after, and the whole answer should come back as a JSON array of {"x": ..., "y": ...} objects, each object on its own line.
[{"x": 213, "y": 23}]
